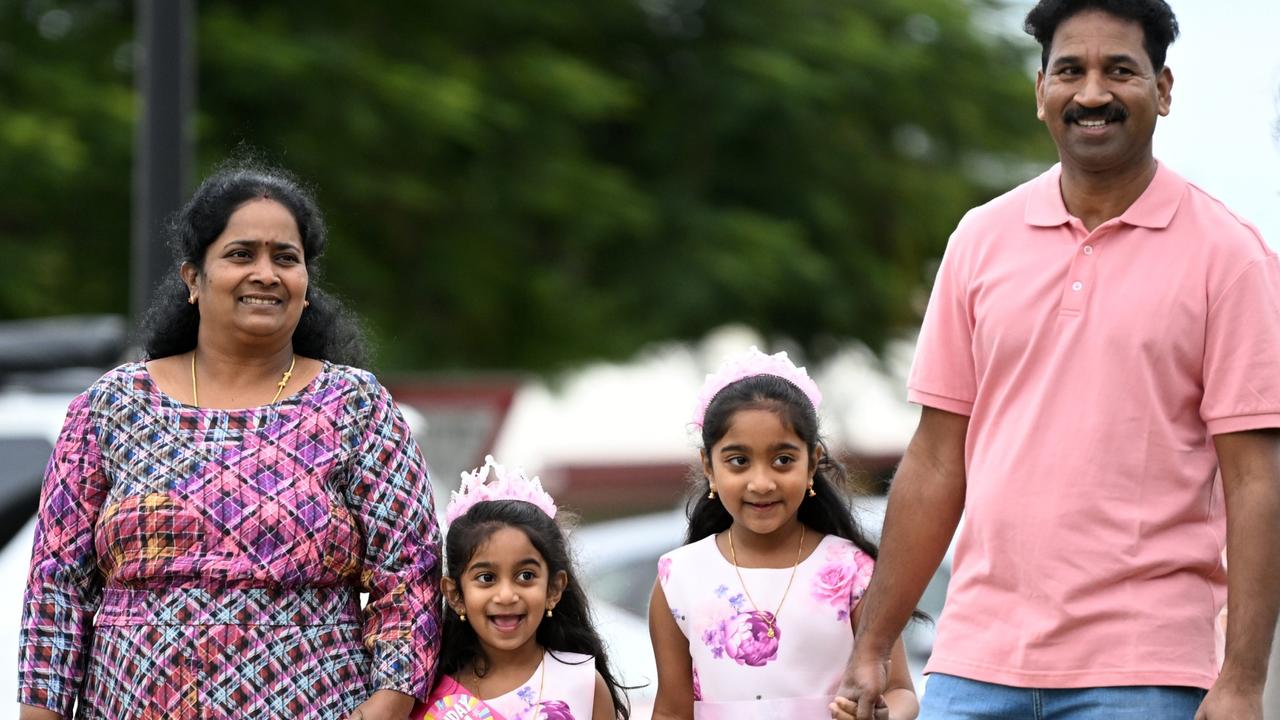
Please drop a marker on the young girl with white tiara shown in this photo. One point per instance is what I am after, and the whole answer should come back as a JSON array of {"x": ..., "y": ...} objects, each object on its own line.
[
  {"x": 518, "y": 643},
  {"x": 753, "y": 617}
]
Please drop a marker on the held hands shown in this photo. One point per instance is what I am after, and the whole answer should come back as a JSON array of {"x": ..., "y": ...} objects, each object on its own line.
[
  {"x": 844, "y": 709},
  {"x": 384, "y": 705},
  {"x": 862, "y": 690}
]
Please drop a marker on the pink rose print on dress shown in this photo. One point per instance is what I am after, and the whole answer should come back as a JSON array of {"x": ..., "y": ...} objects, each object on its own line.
[
  {"x": 843, "y": 578},
  {"x": 746, "y": 638},
  {"x": 664, "y": 569}
]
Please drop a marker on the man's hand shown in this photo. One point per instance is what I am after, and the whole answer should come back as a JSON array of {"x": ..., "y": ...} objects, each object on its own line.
[
  {"x": 845, "y": 709},
  {"x": 1228, "y": 701},
  {"x": 863, "y": 688},
  {"x": 384, "y": 705}
]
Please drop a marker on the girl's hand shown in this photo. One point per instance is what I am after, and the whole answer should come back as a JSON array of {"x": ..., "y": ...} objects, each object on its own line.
[
  {"x": 844, "y": 709},
  {"x": 384, "y": 705}
]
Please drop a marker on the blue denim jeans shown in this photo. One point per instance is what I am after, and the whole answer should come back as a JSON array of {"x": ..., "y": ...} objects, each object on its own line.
[{"x": 947, "y": 697}]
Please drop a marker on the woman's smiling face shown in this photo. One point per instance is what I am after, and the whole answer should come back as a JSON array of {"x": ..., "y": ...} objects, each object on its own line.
[{"x": 254, "y": 279}]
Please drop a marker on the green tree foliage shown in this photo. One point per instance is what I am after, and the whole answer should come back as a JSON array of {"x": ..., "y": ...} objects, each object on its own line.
[{"x": 527, "y": 184}]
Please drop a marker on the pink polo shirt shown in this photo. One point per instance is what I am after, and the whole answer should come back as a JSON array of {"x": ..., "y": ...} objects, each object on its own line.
[{"x": 1095, "y": 369}]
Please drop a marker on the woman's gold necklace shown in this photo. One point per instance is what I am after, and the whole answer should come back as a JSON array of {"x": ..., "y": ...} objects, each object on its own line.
[
  {"x": 771, "y": 623},
  {"x": 284, "y": 380}
]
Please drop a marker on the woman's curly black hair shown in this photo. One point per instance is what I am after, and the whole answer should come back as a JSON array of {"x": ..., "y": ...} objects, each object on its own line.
[{"x": 327, "y": 330}]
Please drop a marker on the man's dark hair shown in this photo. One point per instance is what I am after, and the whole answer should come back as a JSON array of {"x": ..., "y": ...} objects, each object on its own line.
[{"x": 1159, "y": 26}]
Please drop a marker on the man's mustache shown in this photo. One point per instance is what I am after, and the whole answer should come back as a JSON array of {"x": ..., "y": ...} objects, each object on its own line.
[{"x": 1109, "y": 113}]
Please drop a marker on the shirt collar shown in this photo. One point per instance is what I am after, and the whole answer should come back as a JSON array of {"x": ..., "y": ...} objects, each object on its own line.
[{"x": 1153, "y": 209}]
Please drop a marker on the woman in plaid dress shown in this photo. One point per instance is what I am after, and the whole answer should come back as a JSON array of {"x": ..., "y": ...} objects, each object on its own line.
[{"x": 209, "y": 517}]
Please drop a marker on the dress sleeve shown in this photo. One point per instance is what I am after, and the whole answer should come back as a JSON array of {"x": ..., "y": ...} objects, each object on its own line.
[
  {"x": 390, "y": 496},
  {"x": 64, "y": 585}
]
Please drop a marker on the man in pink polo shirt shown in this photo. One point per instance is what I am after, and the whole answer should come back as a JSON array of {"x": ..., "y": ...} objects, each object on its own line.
[{"x": 1101, "y": 342}]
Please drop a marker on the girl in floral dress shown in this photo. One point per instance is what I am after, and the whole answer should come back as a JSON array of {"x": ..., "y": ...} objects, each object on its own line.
[
  {"x": 753, "y": 617},
  {"x": 519, "y": 643}
]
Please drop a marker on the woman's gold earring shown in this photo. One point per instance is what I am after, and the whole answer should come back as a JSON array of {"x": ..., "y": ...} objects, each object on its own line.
[
  {"x": 306, "y": 303},
  {"x": 812, "y": 492},
  {"x": 712, "y": 495},
  {"x": 462, "y": 616},
  {"x": 548, "y": 612},
  {"x": 191, "y": 299}
]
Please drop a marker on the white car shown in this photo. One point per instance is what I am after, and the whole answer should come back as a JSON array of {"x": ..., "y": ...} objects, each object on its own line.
[{"x": 29, "y": 426}]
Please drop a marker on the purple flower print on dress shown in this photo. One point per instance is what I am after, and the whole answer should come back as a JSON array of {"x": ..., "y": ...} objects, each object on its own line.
[
  {"x": 546, "y": 710},
  {"x": 713, "y": 638},
  {"x": 697, "y": 686},
  {"x": 746, "y": 638},
  {"x": 842, "y": 578},
  {"x": 664, "y": 570}
]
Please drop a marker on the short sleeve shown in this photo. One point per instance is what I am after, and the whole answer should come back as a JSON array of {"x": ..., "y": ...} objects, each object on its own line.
[
  {"x": 1242, "y": 352},
  {"x": 942, "y": 374},
  {"x": 64, "y": 585},
  {"x": 390, "y": 495}
]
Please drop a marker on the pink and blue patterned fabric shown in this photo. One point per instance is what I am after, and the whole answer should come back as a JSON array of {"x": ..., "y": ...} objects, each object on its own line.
[{"x": 200, "y": 563}]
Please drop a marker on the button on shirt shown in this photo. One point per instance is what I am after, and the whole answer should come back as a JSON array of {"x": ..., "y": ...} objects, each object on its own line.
[{"x": 1095, "y": 367}]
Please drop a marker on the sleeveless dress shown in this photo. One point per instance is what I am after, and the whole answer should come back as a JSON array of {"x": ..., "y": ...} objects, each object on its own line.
[
  {"x": 738, "y": 670},
  {"x": 567, "y": 693}
]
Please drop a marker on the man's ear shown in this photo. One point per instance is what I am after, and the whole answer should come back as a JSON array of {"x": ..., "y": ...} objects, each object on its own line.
[
  {"x": 1040, "y": 113},
  {"x": 1164, "y": 90}
]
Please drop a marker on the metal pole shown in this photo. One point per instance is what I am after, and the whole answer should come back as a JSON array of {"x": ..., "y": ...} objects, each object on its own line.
[{"x": 162, "y": 140}]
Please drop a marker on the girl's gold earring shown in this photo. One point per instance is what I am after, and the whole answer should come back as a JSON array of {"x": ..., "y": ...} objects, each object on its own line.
[
  {"x": 712, "y": 495},
  {"x": 548, "y": 612},
  {"x": 462, "y": 616},
  {"x": 812, "y": 492}
]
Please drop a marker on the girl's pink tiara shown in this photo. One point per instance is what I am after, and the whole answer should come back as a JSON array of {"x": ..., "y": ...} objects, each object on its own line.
[
  {"x": 749, "y": 364},
  {"x": 507, "y": 485}
]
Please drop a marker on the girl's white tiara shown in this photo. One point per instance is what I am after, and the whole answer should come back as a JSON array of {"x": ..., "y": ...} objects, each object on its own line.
[
  {"x": 749, "y": 364},
  {"x": 506, "y": 485}
]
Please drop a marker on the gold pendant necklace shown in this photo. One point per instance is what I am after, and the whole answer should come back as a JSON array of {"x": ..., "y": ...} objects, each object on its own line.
[
  {"x": 770, "y": 621},
  {"x": 284, "y": 380}
]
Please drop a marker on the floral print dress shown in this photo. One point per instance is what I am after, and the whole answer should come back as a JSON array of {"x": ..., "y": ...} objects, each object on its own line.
[
  {"x": 566, "y": 692},
  {"x": 739, "y": 671},
  {"x": 196, "y": 564}
]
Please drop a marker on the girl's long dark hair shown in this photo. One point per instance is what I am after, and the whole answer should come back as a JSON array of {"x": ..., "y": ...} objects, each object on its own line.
[
  {"x": 829, "y": 512},
  {"x": 569, "y": 630},
  {"x": 327, "y": 330}
]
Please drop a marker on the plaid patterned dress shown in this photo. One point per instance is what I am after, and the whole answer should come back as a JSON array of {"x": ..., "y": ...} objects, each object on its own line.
[{"x": 197, "y": 563}]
